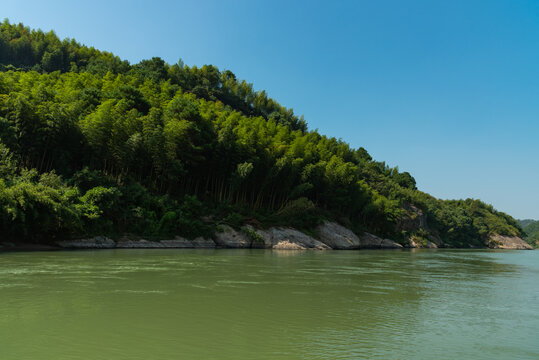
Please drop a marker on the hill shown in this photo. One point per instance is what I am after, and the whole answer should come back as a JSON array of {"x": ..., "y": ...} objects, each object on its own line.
[
  {"x": 531, "y": 230},
  {"x": 91, "y": 144}
]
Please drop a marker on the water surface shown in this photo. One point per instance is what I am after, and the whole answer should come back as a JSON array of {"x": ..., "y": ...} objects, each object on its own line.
[{"x": 262, "y": 304}]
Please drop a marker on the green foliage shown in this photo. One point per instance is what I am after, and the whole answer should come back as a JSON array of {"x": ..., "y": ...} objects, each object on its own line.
[
  {"x": 103, "y": 199},
  {"x": 300, "y": 213},
  {"x": 7, "y": 164},
  {"x": 153, "y": 148},
  {"x": 420, "y": 237},
  {"x": 37, "y": 209},
  {"x": 35, "y": 50},
  {"x": 168, "y": 225},
  {"x": 234, "y": 219},
  {"x": 253, "y": 235},
  {"x": 531, "y": 230},
  {"x": 190, "y": 224}
]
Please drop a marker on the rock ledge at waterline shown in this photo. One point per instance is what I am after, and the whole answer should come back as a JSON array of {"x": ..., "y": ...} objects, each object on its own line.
[
  {"x": 509, "y": 242},
  {"x": 331, "y": 236}
]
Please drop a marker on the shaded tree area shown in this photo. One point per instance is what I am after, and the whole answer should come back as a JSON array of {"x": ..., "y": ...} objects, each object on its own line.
[{"x": 92, "y": 145}]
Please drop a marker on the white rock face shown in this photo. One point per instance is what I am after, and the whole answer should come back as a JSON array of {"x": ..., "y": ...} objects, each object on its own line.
[
  {"x": 338, "y": 237},
  {"x": 509, "y": 242},
  {"x": 292, "y": 239},
  {"x": 276, "y": 238},
  {"x": 97, "y": 242},
  {"x": 429, "y": 245},
  {"x": 370, "y": 241}
]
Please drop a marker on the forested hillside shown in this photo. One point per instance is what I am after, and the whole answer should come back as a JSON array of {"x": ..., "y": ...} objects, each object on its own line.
[
  {"x": 91, "y": 144},
  {"x": 531, "y": 231}
]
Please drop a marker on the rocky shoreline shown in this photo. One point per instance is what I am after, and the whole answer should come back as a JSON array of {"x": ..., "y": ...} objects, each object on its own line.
[{"x": 331, "y": 236}]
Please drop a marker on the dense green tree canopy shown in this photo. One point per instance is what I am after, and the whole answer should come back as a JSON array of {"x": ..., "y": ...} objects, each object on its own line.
[
  {"x": 531, "y": 230},
  {"x": 92, "y": 144}
]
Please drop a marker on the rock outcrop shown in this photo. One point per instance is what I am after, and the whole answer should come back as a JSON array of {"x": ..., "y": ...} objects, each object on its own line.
[
  {"x": 292, "y": 239},
  {"x": 265, "y": 237},
  {"x": 278, "y": 238},
  {"x": 198, "y": 242},
  {"x": 97, "y": 242},
  {"x": 9, "y": 246},
  {"x": 413, "y": 243},
  {"x": 176, "y": 243},
  {"x": 370, "y": 241},
  {"x": 101, "y": 242},
  {"x": 332, "y": 236},
  {"x": 413, "y": 221},
  {"x": 508, "y": 242},
  {"x": 431, "y": 245},
  {"x": 231, "y": 238},
  {"x": 337, "y": 236}
]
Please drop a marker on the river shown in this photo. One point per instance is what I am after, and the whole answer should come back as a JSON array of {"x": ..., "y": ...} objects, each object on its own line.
[{"x": 263, "y": 304}]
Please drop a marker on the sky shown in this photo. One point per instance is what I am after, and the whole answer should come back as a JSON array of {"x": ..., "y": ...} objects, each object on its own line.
[{"x": 446, "y": 90}]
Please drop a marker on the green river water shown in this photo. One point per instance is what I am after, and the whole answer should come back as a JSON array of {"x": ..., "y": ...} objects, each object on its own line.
[{"x": 262, "y": 304}]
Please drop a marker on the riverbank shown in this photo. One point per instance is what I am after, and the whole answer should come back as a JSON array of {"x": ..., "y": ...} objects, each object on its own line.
[{"x": 329, "y": 236}]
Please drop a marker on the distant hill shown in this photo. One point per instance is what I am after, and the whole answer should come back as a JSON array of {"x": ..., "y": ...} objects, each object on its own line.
[
  {"x": 524, "y": 223},
  {"x": 531, "y": 230}
]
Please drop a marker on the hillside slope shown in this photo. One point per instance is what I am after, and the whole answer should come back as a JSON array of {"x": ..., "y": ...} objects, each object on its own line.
[
  {"x": 531, "y": 231},
  {"x": 90, "y": 144}
]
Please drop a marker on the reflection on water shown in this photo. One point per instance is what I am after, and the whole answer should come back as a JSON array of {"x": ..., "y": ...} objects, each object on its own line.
[
  {"x": 287, "y": 253},
  {"x": 261, "y": 304}
]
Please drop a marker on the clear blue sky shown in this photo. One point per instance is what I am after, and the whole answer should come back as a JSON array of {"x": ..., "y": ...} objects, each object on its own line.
[{"x": 447, "y": 90}]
